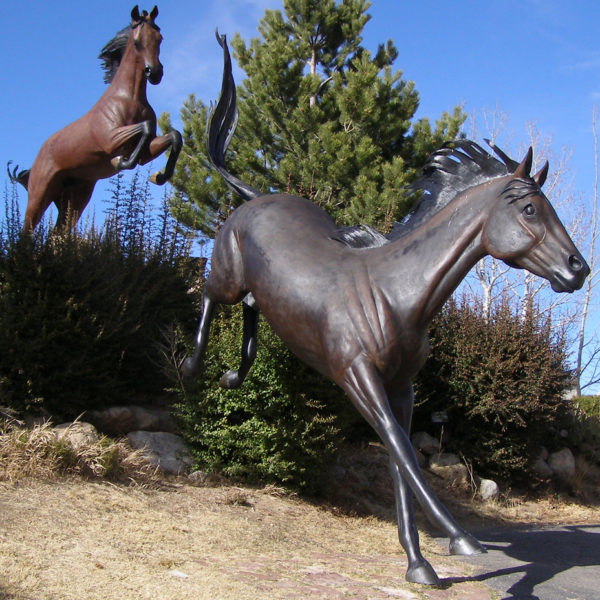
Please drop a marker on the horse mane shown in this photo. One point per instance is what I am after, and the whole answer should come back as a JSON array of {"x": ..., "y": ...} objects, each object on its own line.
[
  {"x": 112, "y": 53},
  {"x": 455, "y": 167}
]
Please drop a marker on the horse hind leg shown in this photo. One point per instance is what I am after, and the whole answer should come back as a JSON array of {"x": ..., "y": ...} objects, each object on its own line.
[
  {"x": 234, "y": 378},
  {"x": 192, "y": 363},
  {"x": 73, "y": 201},
  {"x": 40, "y": 195}
]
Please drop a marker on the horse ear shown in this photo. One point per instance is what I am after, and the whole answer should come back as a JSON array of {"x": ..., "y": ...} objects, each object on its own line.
[
  {"x": 524, "y": 169},
  {"x": 153, "y": 14},
  {"x": 540, "y": 176},
  {"x": 135, "y": 14}
]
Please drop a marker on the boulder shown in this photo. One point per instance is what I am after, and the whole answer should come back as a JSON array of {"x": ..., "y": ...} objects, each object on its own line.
[
  {"x": 541, "y": 468},
  {"x": 120, "y": 420},
  {"x": 421, "y": 459},
  {"x": 444, "y": 459},
  {"x": 78, "y": 433},
  {"x": 164, "y": 450},
  {"x": 488, "y": 489},
  {"x": 455, "y": 475},
  {"x": 562, "y": 464},
  {"x": 421, "y": 440}
]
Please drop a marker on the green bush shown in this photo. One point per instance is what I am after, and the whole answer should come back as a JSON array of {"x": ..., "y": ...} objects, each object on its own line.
[
  {"x": 283, "y": 425},
  {"x": 589, "y": 405},
  {"x": 80, "y": 315},
  {"x": 501, "y": 381}
]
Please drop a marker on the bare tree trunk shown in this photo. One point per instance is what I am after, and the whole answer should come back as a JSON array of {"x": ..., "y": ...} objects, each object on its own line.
[{"x": 591, "y": 280}]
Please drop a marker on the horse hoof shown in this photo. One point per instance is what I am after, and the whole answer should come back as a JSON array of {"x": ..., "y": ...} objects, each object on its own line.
[
  {"x": 157, "y": 178},
  {"x": 423, "y": 574},
  {"x": 230, "y": 380},
  {"x": 466, "y": 545},
  {"x": 188, "y": 368}
]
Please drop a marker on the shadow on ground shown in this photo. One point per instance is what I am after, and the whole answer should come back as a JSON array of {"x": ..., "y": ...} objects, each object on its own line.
[{"x": 560, "y": 563}]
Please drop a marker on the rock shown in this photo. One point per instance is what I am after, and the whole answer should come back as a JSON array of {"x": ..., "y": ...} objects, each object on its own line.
[
  {"x": 542, "y": 453},
  {"x": 455, "y": 475},
  {"x": 562, "y": 464},
  {"x": 120, "y": 420},
  {"x": 78, "y": 433},
  {"x": 488, "y": 489},
  {"x": 541, "y": 468},
  {"x": 421, "y": 440},
  {"x": 199, "y": 477},
  {"x": 563, "y": 433},
  {"x": 338, "y": 473},
  {"x": 444, "y": 459},
  {"x": 165, "y": 450},
  {"x": 421, "y": 459}
]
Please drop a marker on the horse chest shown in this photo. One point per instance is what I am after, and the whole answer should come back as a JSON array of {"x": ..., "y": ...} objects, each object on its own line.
[{"x": 404, "y": 358}]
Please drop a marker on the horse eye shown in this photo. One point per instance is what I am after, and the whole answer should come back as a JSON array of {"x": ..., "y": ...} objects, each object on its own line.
[{"x": 529, "y": 210}]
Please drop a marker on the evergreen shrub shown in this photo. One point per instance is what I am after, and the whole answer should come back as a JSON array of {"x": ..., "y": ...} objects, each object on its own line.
[
  {"x": 284, "y": 424},
  {"x": 80, "y": 314},
  {"x": 501, "y": 380}
]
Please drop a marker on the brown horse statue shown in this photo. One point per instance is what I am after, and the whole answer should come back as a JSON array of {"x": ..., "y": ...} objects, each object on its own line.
[
  {"x": 118, "y": 132},
  {"x": 356, "y": 305}
]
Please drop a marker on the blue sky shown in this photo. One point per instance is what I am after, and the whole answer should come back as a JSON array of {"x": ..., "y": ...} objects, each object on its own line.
[{"x": 538, "y": 61}]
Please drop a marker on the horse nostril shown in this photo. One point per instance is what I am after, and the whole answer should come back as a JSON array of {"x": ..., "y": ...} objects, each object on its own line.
[
  {"x": 575, "y": 263},
  {"x": 148, "y": 71}
]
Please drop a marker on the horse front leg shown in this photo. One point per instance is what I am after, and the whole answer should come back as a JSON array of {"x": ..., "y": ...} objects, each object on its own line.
[
  {"x": 159, "y": 145},
  {"x": 123, "y": 135},
  {"x": 419, "y": 570},
  {"x": 364, "y": 387},
  {"x": 233, "y": 379},
  {"x": 192, "y": 363}
]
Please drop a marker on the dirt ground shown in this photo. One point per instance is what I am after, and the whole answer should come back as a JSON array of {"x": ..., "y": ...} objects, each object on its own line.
[
  {"x": 71, "y": 538},
  {"x": 82, "y": 540},
  {"x": 76, "y": 539}
]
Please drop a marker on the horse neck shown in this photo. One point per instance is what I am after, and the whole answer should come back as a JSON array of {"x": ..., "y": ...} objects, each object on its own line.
[
  {"x": 129, "y": 80},
  {"x": 431, "y": 261}
]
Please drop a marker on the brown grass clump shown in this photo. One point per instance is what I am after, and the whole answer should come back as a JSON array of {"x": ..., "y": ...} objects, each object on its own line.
[{"x": 41, "y": 453}]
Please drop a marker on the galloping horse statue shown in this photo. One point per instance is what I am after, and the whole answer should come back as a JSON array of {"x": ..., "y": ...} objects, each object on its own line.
[
  {"x": 355, "y": 304},
  {"x": 118, "y": 132}
]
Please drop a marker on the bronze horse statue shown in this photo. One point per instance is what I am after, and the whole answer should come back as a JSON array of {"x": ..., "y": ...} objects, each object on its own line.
[
  {"x": 355, "y": 304},
  {"x": 118, "y": 132}
]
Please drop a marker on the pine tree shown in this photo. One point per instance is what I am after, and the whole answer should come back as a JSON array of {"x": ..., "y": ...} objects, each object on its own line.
[{"x": 319, "y": 116}]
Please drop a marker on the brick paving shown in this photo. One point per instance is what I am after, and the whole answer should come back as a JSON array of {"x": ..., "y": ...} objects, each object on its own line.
[{"x": 345, "y": 576}]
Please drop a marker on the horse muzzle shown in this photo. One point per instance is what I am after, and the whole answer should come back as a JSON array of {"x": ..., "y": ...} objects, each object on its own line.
[
  {"x": 153, "y": 73},
  {"x": 571, "y": 278}
]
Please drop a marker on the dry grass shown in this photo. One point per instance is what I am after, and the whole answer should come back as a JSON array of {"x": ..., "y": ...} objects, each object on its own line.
[
  {"x": 72, "y": 539},
  {"x": 63, "y": 536},
  {"x": 40, "y": 453}
]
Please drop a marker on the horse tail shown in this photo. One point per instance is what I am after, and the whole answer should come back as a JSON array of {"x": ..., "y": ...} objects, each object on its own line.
[
  {"x": 220, "y": 127},
  {"x": 21, "y": 177}
]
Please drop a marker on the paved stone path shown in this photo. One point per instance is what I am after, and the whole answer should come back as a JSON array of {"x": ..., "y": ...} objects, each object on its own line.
[
  {"x": 344, "y": 576},
  {"x": 558, "y": 563}
]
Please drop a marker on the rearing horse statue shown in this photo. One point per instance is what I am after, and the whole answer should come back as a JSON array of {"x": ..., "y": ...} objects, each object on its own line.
[
  {"x": 356, "y": 305},
  {"x": 118, "y": 132}
]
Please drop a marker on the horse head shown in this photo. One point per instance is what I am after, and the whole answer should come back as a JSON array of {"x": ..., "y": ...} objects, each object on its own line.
[
  {"x": 146, "y": 40},
  {"x": 524, "y": 231}
]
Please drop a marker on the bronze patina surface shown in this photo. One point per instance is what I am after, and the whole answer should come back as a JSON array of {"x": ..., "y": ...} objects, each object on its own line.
[
  {"x": 118, "y": 132},
  {"x": 355, "y": 304}
]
